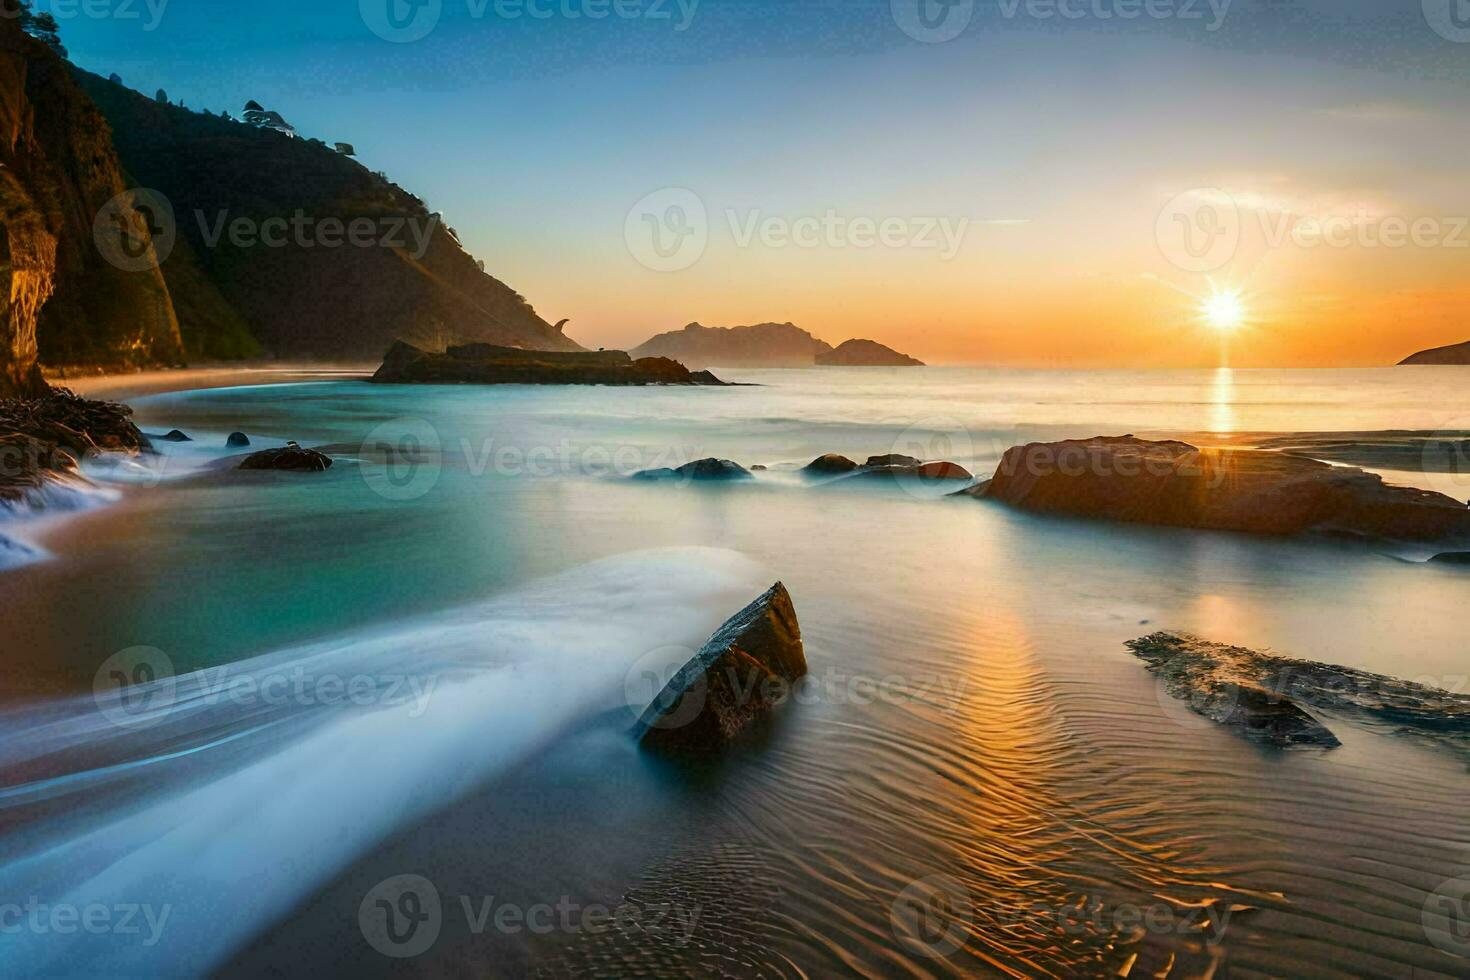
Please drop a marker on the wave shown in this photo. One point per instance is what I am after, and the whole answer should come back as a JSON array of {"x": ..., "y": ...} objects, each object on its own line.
[{"x": 215, "y": 807}]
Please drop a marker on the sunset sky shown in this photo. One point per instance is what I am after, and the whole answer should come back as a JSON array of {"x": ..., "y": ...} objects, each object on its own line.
[{"x": 1055, "y": 145}]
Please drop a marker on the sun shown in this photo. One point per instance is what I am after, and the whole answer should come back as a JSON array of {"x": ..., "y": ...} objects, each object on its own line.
[{"x": 1225, "y": 310}]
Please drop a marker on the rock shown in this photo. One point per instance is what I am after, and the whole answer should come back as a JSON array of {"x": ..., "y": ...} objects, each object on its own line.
[
  {"x": 744, "y": 670},
  {"x": 700, "y": 469},
  {"x": 13, "y": 553},
  {"x": 865, "y": 353},
  {"x": 830, "y": 464},
  {"x": 1453, "y": 354},
  {"x": 944, "y": 471},
  {"x": 1227, "y": 683},
  {"x": 236, "y": 440},
  {"x": 1178, "y": 485},
  {"x": 759, "y": 468},
  {"x": 174, "y": 435},
  {"x": 1453, "y": 558},
  {"x": 42, "y": 438},
  {"x": 489, "y": 364},
  {"x": 292, "y": 458}
]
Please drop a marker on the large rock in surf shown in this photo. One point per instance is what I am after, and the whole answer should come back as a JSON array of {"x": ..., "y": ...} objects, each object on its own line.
[
  {"x": 1179, "y": 485},
  {"x": 744, "y": 670},
  {"x": 701, "y": 469},
  {"x": 291, "y": 458},
  {"x": 491, "y": 365}
]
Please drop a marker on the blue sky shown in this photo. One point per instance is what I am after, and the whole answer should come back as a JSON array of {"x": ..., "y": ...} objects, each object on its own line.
[{"x": 1056, "y": 138}]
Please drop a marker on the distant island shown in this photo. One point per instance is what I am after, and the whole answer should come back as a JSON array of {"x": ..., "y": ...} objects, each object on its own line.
[
  {"x": 765, "y": 345},
  {"x": 866, "y": 353},
  {"x": 1453, "y": 354}
]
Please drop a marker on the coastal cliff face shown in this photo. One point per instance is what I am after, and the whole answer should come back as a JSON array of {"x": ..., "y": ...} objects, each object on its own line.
[
  {"x": 1453, "y": 354},
  {"x": 761, "y": 345},
  {"x": 66, "y": 303},
  {"x": 300, "y": 286},
  {"x": 27, "y": 246}
]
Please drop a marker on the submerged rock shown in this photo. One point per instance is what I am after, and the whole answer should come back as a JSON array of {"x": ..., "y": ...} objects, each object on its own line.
[
  {"x": 1176, "y": 484},
  {"x": 174, "y": 435},
  {"x": 830, "y": 464},
  {"x": 1267, "y": 696},
  {"x": 744, "y": 670},
  {"x": 236, "y": 440},
  {"x": 700, "y": 469},
  {"x": 489, "y": 364},
  {"x": 292, "y": 458}
]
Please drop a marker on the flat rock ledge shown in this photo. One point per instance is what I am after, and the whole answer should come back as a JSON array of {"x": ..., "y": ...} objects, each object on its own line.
[
  {"x": 491, "y": 365},
  {"x": 1178, "y": 485},
  {"x": 1275, "y": 700},
  {"x": 744, "y": 671}
]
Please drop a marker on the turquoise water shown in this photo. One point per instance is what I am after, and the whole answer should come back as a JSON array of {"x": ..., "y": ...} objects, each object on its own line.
[{"x": 975, "y": 715}]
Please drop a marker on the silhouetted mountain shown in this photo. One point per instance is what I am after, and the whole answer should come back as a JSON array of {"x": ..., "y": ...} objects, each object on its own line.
[
  {"x": 761, "y": 345},
  {"x": 1453, "y": 354},
  {"x": 866, "y": 353},
  {"x": 303, "y": 282}
]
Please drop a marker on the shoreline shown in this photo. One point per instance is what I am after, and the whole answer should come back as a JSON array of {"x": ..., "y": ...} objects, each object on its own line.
[{"x": 121, "y": 386}]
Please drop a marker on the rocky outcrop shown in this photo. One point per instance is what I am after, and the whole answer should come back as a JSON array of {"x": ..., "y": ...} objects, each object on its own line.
[
  {"x": 865, "y": 353},
  {"x": 1274, "y": 699},
  {"x": 300, "y": 285},
  {"x": 760, "y": 345},
  {"x": 292, "y": 458},
  {"x": 1453, "y": 354},
  {"x": 708, "y": 470},
  {"x": 65, "y": 302},
  {"x": 1178, "y": 485},
  {"x": 236, "y": 440},
  {"x": 489, "y": 364},
  {"x": 745, "y": 670},
  {"x": 42, "y": 439}
]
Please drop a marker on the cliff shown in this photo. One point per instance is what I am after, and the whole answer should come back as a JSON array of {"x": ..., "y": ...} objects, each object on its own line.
[
  {"x": 866, "y": 353},
  {"x": 301, "y": 285},
  {"x": 1453, "y": 354},
  {"x": 761, "y": 345},
  {"x": 57, "y": 171}
]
